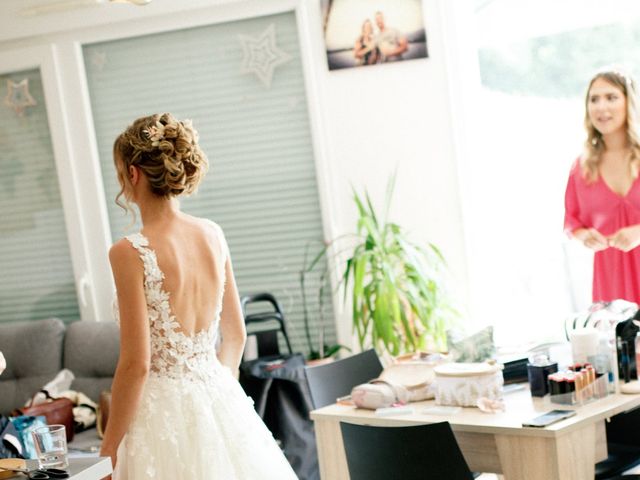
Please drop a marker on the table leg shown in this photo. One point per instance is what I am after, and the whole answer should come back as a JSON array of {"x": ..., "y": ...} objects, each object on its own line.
[
  {"x": 602, "y": 452},
  {"x": 331, "y": 454},
  {"x": 568, "y": 457}
]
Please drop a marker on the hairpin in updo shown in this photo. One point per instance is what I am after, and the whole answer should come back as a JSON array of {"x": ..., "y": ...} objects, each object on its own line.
[{"x": 155, "y": 133}]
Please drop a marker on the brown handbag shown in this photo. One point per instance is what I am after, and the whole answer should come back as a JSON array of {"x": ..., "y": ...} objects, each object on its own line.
[{"x": 57, "y": 411}]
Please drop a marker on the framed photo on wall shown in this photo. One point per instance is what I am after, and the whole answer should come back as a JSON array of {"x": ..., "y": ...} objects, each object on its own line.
[{"x": 369, "y": 32}]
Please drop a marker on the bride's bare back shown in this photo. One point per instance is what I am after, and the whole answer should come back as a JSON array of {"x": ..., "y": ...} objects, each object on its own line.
[{"x": 191, "y": 253}]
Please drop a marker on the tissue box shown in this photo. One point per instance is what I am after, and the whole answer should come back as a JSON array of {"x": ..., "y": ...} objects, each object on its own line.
[{"x": 462, "y": 384}]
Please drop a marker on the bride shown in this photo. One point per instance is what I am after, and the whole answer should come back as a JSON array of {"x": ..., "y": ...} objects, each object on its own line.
[{"x": 177, "y": 409}]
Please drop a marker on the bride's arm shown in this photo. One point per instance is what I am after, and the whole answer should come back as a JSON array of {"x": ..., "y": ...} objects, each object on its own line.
[
  {"x": 232, "y": 329},
  {"x": 133, "y": 363}
]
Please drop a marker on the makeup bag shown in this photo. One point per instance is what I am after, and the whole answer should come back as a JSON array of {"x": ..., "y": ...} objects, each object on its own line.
[
  {"x": 378, "y": 394},
  {"x": 408, "y": 379}
]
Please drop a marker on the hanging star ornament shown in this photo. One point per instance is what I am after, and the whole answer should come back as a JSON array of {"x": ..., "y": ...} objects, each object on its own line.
[
  {"x": 261, "y": 55},
  {"x": 18, "y": 96}
]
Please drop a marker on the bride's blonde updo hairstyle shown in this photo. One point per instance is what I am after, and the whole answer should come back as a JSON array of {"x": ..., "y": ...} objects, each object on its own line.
[{"x": 165, "y": 150}]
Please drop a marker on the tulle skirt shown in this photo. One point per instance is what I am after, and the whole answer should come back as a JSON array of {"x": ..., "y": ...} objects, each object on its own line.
[{"x": 199, "y": 430}]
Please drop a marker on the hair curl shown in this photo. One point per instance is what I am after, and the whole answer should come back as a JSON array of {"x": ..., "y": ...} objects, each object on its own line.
[
  {"x": 594, "y": 145},
  {"x": 174, "y": 165}
]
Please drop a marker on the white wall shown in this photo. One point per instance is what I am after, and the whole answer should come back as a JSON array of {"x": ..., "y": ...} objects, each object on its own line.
[
  {"x": 370, "y": 120},
  {"x": 398, "y": 116}
]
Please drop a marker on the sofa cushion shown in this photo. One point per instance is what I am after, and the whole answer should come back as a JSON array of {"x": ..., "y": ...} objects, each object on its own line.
[
  {"x": 91, "y": 352},
  {"x": 33, "y": 350}
]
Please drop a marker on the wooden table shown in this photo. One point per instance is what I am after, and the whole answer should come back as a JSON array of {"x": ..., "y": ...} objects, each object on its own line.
[
  {"x": 81, "y": 468},
  {"x": 497, "y": 443}
]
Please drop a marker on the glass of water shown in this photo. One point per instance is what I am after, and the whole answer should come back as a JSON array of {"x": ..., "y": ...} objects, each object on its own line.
[{"x": 51, "y": 446}]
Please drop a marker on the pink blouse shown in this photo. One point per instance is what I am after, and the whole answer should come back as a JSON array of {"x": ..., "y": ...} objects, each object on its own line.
[{"x": 616, "y": 274}]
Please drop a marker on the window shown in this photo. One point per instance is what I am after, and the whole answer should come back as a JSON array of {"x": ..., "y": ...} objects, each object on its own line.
[
  {"x": 535, "y": 60},
  {"x": 37, "y": 278},
  {"x": 261, "y": 187}
]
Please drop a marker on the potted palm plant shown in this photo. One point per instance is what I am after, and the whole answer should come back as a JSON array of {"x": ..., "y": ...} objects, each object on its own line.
[{"x": 396, "y": 287}]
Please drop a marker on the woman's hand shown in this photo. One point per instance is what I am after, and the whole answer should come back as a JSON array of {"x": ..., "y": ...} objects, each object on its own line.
[
  {"x": 626, "y": 239},
  {"x": 592, "y": 239}
]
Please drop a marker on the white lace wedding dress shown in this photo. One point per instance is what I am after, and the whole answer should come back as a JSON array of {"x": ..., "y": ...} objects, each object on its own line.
[{"x": 194, "y": 421}]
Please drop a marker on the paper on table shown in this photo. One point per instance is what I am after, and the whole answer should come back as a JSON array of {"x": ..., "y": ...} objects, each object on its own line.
[
  {"x": 441, "y": 410},
  {"x": 400, "y": 410}
]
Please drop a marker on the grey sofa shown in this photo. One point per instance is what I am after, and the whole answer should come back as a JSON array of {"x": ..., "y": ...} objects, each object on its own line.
[{"x": 37, "y": 350}]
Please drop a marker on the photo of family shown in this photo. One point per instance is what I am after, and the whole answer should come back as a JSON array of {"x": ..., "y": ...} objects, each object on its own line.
[{"x": 368, "y": 32}]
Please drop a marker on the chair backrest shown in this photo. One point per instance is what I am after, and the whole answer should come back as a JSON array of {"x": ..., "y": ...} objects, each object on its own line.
[
  {"x": 267, "y": 338},
  {"x": 336, "y": 379},
  {"x": 409, "y": 453}
]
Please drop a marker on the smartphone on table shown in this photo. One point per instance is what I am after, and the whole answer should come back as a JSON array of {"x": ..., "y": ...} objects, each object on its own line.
[{"x": 549, "y": 418}]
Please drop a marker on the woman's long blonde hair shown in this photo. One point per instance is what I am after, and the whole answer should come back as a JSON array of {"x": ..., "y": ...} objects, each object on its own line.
[{"x": 594, "y": 145}]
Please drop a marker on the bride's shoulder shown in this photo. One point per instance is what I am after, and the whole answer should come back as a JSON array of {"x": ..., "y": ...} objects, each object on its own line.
[
  {"x": 122, "y": 247},
  {"x": 123, "y": 257},
  {"x": 214, "y": 233},
  {"x": 125, "y": 244},
  {"x": 209, "y": 226}
]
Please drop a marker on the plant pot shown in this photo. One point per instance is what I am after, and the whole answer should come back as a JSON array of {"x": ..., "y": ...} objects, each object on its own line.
[
  {"x": 419, "y": 356},
  {"x": 319, "y": 361}
]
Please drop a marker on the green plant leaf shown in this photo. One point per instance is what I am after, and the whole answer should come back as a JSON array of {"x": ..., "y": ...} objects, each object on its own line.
[
  {"x": 359, "y": 266},
  {"x": 361, "y": 210},
  {"x": 391, "y": 185},
  {"x": 372, "y": 211},
  {"x": 345, "y": 277},
  {"x": 317, "y": 258},
  {"x": 331, "y": 350}
]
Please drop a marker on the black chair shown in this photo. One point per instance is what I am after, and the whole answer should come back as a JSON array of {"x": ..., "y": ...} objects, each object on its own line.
[
  {"x": 417, "y": 452},
  {"x": 623, "y": 445},
  {"x": 267, "y": 337},
  {"x": 336, "y": 379},
  {"x": 620, "y": 459},
  {"x": 277, "y": 384}
]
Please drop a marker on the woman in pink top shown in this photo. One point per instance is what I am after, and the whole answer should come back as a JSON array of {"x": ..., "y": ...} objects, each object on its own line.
[{"x": 602, "y": 200}]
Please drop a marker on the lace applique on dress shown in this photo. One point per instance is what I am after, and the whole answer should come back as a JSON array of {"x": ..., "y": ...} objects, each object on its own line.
[{"x": 173, "y": 353}]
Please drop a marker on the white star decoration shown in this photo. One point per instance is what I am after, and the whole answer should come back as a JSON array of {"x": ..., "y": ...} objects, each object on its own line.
[
  {"x": 18, "y": 96},
  {"x": 261, "y": 55}
]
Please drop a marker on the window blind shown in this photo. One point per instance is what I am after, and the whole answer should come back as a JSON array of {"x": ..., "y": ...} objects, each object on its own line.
[
  {"x": 261, "y": 187},
  {"x": 37, "y": 276}
]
